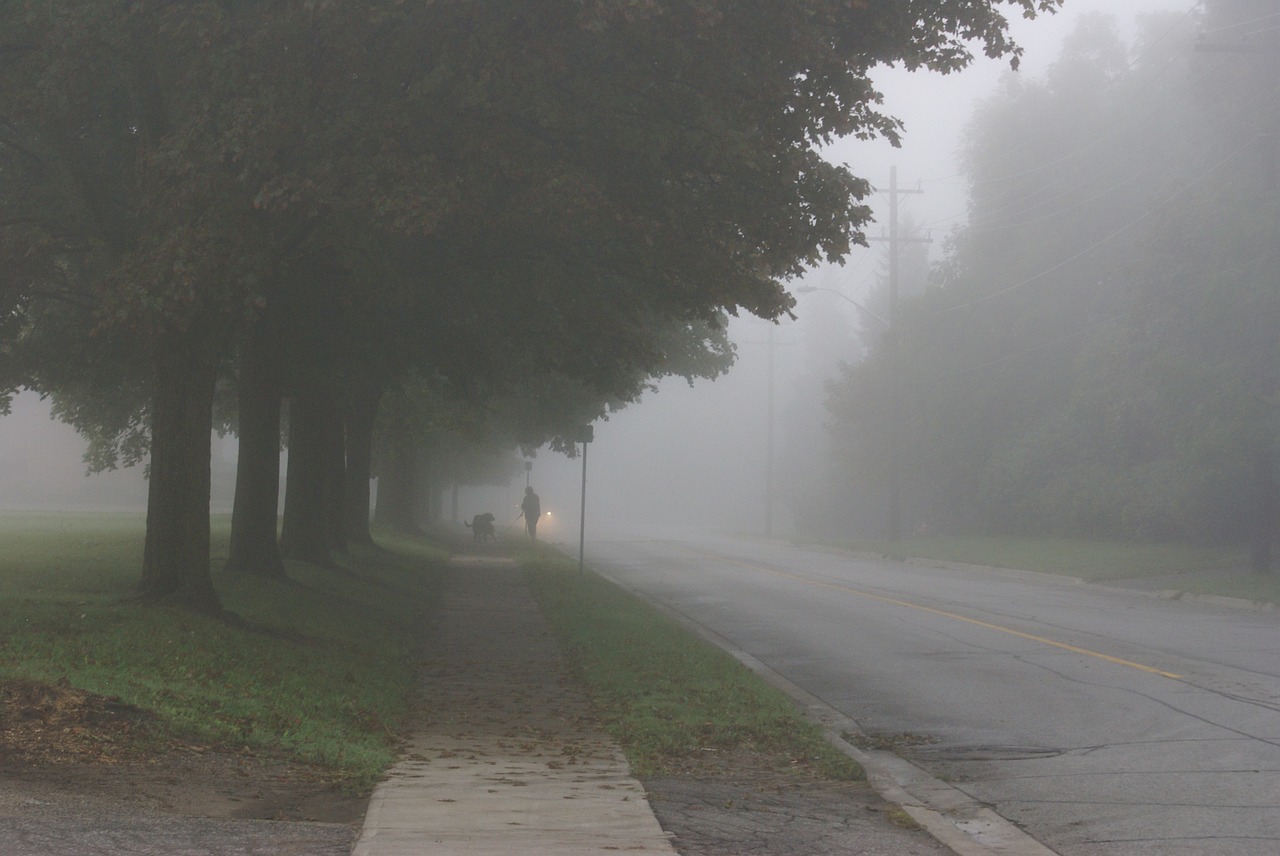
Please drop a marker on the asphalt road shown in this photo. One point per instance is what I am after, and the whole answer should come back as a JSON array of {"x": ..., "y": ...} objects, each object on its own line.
[{"x": 1101, "y": 722}]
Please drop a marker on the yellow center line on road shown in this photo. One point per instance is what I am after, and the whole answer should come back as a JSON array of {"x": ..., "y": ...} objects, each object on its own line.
[{"x": 999, "y": 628}]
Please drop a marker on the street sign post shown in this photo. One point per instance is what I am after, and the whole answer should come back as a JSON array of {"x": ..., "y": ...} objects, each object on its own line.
[{"x": 586, "y": 433}]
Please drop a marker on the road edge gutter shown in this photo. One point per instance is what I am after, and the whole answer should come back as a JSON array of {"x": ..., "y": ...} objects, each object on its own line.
[{"x": 952, "y": 817}]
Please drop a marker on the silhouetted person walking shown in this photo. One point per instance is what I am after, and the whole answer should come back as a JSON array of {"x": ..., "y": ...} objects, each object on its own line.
[{"x": 531, "y": 508}]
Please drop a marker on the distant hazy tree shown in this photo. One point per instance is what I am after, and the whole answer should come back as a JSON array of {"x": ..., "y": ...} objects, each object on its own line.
[
  {"x": 1098, "y": 356},
  {"x": 425, "y": 428}
]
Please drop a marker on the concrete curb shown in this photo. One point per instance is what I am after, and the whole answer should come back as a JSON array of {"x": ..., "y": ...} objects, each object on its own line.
[
  {"x": 953, "y": 818},
  {"x": 1192, "y": 597}
]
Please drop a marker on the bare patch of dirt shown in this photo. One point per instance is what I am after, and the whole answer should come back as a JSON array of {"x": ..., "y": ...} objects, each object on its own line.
[
  {"x": 53, "y": 725},
  {"x": 62, "y": 738}
]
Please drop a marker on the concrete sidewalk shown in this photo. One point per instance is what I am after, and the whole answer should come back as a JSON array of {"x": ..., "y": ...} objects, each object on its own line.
[{"x": 506, "y": 758}]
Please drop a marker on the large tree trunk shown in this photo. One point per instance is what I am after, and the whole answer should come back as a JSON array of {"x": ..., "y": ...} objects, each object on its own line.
[
  {"x": 362, "y": 413},
  {"x": 398, "y": 489},
  {"x": 431, "y": 492},
  {"x": 335, "y": 478},
  {"x": 175, "y": 564},
  {"x": 254, "y": 549},
  {"x": 309, "y": 484}
]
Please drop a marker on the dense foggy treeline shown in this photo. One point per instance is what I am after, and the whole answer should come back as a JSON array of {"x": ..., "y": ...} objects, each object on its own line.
[{"x": 1097, "y": 352}]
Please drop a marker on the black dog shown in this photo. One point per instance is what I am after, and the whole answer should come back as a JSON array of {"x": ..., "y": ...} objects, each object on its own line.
[{"x": 481, "y": 527}]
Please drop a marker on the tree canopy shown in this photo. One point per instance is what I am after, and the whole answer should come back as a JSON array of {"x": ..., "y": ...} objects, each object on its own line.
[{"x": 478, "y": 192}]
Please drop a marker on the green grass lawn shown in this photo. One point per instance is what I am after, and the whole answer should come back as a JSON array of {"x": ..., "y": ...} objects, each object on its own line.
[
  {"x": 1090, "y": 560},
  {"x": 1254, "y": 587},
  {"x": 1202, "y": 570},
  {"x": 321, "y": 667},
  {"x": 665, "y": 694}
]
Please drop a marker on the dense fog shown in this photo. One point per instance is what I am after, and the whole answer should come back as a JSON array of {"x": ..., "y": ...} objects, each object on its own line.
[
  {"x": 697, "y": 456},
  {"x": 752, "y": 449}
]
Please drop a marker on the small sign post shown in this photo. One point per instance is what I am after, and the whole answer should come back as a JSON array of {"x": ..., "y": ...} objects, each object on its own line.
[{"x": 586, "y": 434}]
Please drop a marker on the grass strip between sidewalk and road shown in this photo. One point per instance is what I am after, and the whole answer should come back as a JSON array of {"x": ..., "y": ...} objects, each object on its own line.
[
  {"x": 322, "y": 668},
  {"x": 663, "y": 693},
  {"x": 1219, "y": 571},
  {"x": 1089, "y": 560}
]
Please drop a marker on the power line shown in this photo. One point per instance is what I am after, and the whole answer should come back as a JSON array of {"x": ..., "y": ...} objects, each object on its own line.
[
  {"x": 1184, "y": 294},
  {"x": 1132, "y": 118},
  {"x": 1151, "y": 166},
  {"x": 980, "y": 228},
  {"x": 1083, "y": 331},
  {"x": 1107, "y": 239},
  {"x": 1167, "y": 33},
  {"x": 1067, "y": 337},
  {"x": 1271, "y": 16},
  {"x": 1138, "y": 58}
]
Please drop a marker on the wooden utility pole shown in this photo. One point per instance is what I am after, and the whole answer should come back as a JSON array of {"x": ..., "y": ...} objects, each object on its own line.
[
  {"x": 586, "y": 433},
  {"x": 768, "y": 444},
  {"x": 895, "y": 358},
  {"x": 770, "y": 418}
]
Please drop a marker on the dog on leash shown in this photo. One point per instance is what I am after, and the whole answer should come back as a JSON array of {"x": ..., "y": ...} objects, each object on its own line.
[{"x": 481, "y": 527}]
